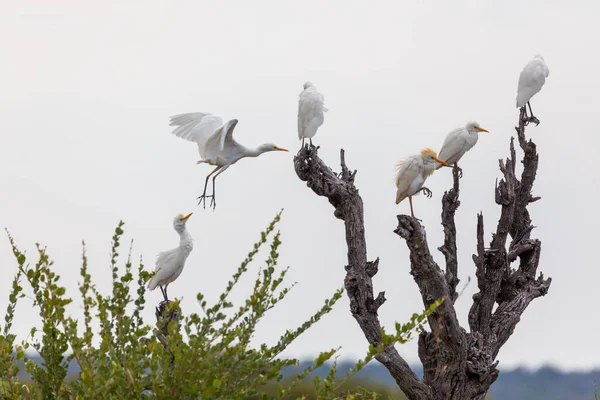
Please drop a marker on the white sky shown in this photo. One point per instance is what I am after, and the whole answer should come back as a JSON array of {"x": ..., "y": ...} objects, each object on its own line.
[{"x": 87, "y": 89}]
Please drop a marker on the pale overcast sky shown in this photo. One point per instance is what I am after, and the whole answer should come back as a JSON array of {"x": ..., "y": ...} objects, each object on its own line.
[{"x": 87, "y": 89}]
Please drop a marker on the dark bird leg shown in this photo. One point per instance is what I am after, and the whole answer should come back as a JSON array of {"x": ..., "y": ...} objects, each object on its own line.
[
  {"x": 213, "y": 201},
  {"x": 203, "y": 197},
  {"x": 531, "y": 117},
  {"x": 460, "y": 174},
  {"x": 164, "y": 292},
  {"x": 303, "y": 142},
  {"x": 310, "y": 140},
  {"x": 426, "y": 192}
]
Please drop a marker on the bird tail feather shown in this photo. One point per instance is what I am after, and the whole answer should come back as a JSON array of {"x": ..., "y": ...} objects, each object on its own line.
[
  {"x": 399, "y": 197},
  {"x": 152, "y": 284}
]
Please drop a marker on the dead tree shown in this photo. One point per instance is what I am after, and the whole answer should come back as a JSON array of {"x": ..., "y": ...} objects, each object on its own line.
[{"x": 457, "y": 364}]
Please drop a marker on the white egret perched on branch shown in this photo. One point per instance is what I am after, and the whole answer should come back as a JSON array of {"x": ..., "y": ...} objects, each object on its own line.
[
  {"x": 169, "y": 264},
  {"x": 412, "y": 173},
  {"x": 531, "y": 80},
  {"x": 458, "y": 142},
  {"x": 215, "y": 144},
  {"x": 310, "y": 112}
]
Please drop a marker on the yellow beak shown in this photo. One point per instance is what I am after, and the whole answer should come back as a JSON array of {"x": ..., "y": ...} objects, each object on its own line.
[
  {"x": 281, "y": 149},
  {"x": 444, "y": 163},
  {"x": 481, "y": 129},
  {"x": 186, "y": 217}
]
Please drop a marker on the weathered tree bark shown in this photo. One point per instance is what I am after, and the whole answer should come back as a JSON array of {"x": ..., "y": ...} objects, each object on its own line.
[{"x": 457, "y": 364}]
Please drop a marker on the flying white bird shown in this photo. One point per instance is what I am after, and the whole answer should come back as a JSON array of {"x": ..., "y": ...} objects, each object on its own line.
[
  {"x": 215, "y": 144},
  {"x": 412, "y": 173},
  {"x": 531, "y": 80},
  {"x": 310, "y": 112},
  {"x": 169, "y": 264},
  {"x": 458, "y": 142}
]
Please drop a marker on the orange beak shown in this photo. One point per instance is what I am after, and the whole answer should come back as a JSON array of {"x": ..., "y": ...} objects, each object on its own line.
[
  {"x": 186, "y": 217},
  {"x": 281, "y": 149},
  {"x": 444, "y": 163},
  {"x": 481, "y": 129}
]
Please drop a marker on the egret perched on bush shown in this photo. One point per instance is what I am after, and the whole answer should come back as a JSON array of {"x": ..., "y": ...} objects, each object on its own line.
[
  {"x": 215, "y": 144},
  {"x": 458, "y": 142},
  {"x": 310, "y": 112},
  {"x": 531, "y": 80},
  {"x": 169, "y": 264},
  {"x": 412, "y": 173}
]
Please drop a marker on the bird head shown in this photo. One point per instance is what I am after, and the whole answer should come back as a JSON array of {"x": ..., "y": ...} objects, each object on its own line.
[
  {"x": 265, "y": 147},
  {"x": 430, "y": 159},
  {"x": 473, "y": 127},
  {"x": 308, "y": 84},
  {"x": 179, "y": 222},
  {"x": 539, "y": 56}
]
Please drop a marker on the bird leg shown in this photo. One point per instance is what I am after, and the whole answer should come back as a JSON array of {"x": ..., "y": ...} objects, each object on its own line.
[
  {"x": 204, "y": 196},
  {"x": 164, "y": 293},
  {"x": 460, "y": 174},
  {"x": 412, "y": 213},
  {"x": 213, "y": 202},
  {"x": 531, "y": 117},
  {"x": 426, "y": 192},
  {"x": 310, "y": 140}
]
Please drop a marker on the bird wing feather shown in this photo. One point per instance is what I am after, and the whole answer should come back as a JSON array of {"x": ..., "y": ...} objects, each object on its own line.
[
  {"x": 453, "y": 146},
  {"x": 164, "y": 260},
  {"x": 217, "y": 142},
  {"x": 407, "y": 171},
  {"x": 196, "y": 127},
  {"x": 311, "y": 106}
]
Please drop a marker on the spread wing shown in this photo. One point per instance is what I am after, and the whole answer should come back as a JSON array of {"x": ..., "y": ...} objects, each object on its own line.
[
  {"x": 531, "y": 80},
  {"x": 311, "y": 109},
  {"x": 219, "y": 140},
  {"x": 408, "y": 171},
  {"x": 196, "y": 127}
]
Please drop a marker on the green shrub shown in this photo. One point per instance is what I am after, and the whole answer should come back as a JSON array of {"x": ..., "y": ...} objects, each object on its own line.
[{"x": 201, "y": 355}]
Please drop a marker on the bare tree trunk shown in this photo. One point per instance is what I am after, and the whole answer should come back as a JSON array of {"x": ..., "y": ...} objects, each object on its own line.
[{"x": 457, "y": 364}]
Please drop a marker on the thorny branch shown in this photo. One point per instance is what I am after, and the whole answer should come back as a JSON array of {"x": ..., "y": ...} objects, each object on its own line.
[{"x": 457, "y": 364}]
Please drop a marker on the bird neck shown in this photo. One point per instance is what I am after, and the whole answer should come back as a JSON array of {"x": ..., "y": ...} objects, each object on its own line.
[
  {"x": 255, "y": 152},
  {"x": 185, "y": 237}
]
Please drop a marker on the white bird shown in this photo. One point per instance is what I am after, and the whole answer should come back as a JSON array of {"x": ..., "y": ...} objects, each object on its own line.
[
  {"x": 531, "y": 80},
  {"x": 169, "y": 264},
  {"x": 310, "y": 112},
  {"x": 458, "y": 142},
  {"x": 412, "y": 173},
  {"x": 215, "y": 143}
]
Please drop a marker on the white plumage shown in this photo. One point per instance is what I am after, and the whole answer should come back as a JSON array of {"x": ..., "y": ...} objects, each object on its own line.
[
  {"x": 169, "y": 264},
  {"x": 531, "y": 80},
  {"x": 311, "y": 109},
  {"x": 459, "y": 141},
  {"x": 412, "y": 173},
  {"x": 216, "y": 144}
]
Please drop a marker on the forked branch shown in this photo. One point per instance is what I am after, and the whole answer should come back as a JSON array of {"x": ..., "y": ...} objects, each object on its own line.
[
  {"x": 343, "y": 195},
  {"x": 457, "y": 364}
]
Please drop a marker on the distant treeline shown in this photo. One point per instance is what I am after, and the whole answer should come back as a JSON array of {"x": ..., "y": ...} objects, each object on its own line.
[{"x": 547, "y": 383}]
